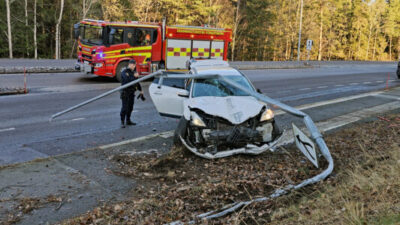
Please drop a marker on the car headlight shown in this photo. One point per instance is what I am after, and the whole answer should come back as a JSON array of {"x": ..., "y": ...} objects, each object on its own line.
[
  {"x": 196, "y": 120},
  {"x": 267, "y": 115}
]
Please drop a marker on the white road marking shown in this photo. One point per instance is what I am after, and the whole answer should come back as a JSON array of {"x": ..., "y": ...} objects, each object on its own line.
[
  {"x": 77, "y": 119},
  {"x": 333, "y": 101},
  {"x": 367, "y": 82},
  {"x": 379, "y": 81},
  {"x": 339, "y": 85},
  {"x": 7, "y": 129},
  {"x": 354, "y": 83},
  {"x": 320, "y": 87},
  {"x": 163, "y": 134},
  {"x": 392, "y": 80},
  {"x": 304, "y": 89}
]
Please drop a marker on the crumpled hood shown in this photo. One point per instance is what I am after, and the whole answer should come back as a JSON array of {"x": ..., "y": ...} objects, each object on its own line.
[{"x": 235, "y": 109}]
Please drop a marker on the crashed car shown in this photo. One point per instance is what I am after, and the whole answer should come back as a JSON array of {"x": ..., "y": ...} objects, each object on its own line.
[{"x": 216, "y": 118}]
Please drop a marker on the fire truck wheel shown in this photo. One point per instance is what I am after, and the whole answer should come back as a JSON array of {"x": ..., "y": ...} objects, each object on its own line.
[{"x": 121, "y": 66}]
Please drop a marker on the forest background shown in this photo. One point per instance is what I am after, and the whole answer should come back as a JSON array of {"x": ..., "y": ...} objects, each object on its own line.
[{"x": 263, "y": 30}]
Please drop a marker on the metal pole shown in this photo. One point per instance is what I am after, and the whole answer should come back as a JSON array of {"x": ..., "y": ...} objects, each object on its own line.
[
  {"x": 25, "y": 91},
  {"x": 106, "y": 94},
  {"x": 301, "y": 21},
  {"x": 315, "y": 134}
]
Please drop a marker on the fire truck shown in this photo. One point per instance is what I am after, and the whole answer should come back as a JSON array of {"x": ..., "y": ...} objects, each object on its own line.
[{"x": 104, "y": 48}]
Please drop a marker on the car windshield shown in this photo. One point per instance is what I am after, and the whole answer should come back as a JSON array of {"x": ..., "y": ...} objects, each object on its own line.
[
  {"x": 91, "y": 35},
  {"x": 219, "y": 88}
]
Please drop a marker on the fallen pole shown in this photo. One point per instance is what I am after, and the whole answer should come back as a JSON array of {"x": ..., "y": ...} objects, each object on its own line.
[{"x": 106, "y": 94}]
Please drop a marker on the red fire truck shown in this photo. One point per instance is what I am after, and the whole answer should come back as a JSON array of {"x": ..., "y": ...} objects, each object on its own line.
[{"x": 104, "y": 48}]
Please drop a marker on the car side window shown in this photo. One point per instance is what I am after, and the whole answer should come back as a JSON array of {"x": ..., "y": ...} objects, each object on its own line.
[{"x": 175, "y": 83}]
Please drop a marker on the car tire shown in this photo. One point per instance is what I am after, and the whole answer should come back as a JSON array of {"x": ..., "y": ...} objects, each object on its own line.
[
  {"x": 121, "y": 66},
  {"x": 398, "y": 73},
  {"x": 180, "y": 131}
]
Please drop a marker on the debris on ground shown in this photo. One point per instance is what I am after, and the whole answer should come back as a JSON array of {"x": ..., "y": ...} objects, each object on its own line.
[
  {"x": 26, "y": 205},
  {"x": 178, "y": 185}
]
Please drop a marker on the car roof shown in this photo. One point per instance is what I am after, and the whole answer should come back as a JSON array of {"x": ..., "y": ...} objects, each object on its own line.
[{"x": 224, "y": 70}]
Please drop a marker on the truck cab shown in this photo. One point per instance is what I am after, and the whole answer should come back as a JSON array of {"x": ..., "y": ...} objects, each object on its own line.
[{"x": 104, "y": 48}]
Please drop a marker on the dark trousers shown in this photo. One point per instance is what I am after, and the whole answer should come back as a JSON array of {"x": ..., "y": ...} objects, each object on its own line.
[{"x": 127, "y": 106}]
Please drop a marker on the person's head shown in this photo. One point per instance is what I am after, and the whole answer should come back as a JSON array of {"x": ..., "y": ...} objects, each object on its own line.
[
  {"x": 132, "y": 64},
  {"x": 147, "y": 38}
]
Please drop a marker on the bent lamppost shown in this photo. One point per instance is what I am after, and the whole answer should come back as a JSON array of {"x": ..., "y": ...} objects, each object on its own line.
[{"x": 310, "y": 125}]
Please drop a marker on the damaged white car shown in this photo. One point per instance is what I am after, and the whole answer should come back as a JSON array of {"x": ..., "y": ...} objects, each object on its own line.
[{"x": 216, "y": 119}]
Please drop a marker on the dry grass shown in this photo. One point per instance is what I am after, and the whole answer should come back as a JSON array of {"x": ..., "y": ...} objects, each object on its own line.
[{"x": 369, "y": 193}]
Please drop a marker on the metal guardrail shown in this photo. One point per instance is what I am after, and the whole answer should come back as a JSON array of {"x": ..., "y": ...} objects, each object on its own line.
[{"x": 315, "y": 135}]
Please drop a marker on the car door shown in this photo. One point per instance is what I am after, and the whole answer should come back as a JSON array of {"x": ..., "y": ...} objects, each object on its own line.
[{"x": 168, "y": 98}]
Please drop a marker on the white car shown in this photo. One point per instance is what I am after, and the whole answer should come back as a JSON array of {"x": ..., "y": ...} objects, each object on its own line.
[{"x": 214, "y": 116}]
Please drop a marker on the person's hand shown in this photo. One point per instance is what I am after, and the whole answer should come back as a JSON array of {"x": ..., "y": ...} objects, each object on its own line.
[
  {"x": 136, "y": 75},
  {"x": 141, "y": 92}
]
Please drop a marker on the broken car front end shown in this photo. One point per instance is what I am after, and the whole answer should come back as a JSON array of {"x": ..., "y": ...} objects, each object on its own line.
[{"x": 208, "y": 134}]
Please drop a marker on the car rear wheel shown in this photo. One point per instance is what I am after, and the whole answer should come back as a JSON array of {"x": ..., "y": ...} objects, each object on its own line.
[{"x": 121, "y": 66}]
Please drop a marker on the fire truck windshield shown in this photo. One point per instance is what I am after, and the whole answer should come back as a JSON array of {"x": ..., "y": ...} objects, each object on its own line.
[{"x": 92, "y": 35}]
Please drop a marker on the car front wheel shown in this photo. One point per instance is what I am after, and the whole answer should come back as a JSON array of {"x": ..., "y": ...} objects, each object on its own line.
[{"x": 180, "y": 131}]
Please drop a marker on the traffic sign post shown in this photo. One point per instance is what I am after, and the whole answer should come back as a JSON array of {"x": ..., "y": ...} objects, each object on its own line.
[{"x": 309, "y": 47}]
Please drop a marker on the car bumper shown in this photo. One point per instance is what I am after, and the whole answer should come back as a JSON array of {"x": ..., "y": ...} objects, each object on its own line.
[{"x": 248, "y": 149}]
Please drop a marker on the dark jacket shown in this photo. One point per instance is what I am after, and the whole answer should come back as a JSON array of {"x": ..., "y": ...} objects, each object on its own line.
[{"x": 127, "y": 75}]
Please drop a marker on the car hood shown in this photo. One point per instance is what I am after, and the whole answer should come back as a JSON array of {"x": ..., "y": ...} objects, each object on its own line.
[{"x": 235, "y": 109}]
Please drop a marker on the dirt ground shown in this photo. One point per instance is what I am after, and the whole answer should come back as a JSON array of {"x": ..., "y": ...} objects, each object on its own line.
[{"x": 179, "y": 185}]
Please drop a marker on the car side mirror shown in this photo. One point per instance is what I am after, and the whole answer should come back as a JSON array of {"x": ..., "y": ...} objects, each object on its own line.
[
  {"x": 259, "y": 91},
  {"x": 183, "y": 93}
]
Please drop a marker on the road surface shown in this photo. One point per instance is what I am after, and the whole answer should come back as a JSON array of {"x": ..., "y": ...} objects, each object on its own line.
[{"x": 26, "y": 133}]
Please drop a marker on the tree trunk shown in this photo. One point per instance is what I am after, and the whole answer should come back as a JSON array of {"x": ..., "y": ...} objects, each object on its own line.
[
  {"x": 58, "y": 31},
  {"x": 301, "y": 20},
  {"x": 373, "y": 55},
  {"x": 320, "y": 34},
  {"x": 34, "y": 29},
  {"x": 369, "y": 40},
  {"x": 9, "y": 35},
  {"x": 390, "y": 48},
  {"x": 26, "y": 12},
  {"x": 235, "y": 30},
  {"x": 83, "y": 9},
  {"x": 27, "y": 29}
]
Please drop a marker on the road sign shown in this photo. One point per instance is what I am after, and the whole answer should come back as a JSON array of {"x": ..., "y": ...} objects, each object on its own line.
[
  {"x": 305, "y": 145},
  {"x": 309, "y": 44}
]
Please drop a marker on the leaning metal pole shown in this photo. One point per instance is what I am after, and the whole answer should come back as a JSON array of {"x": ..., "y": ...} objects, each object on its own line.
[{"x": 106, "y": 94}]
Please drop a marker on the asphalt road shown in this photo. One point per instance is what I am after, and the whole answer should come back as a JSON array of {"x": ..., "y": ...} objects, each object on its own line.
[{"x": 26, "y": 133}]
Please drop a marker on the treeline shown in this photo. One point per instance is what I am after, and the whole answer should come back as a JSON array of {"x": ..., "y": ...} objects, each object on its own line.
[{"x": 263, "y": 29}]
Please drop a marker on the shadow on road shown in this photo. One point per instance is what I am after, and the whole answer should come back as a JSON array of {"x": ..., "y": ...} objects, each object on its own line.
[{"x": 96, "y": 79}]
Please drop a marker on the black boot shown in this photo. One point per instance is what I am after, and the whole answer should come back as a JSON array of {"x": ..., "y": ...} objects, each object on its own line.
[
  {"x": 129, "y": 122},
  {"x": 122, "y": 124}
]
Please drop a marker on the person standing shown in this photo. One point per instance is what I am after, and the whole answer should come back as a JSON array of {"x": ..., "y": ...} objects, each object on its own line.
[{"x": 129, "y": 74}]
